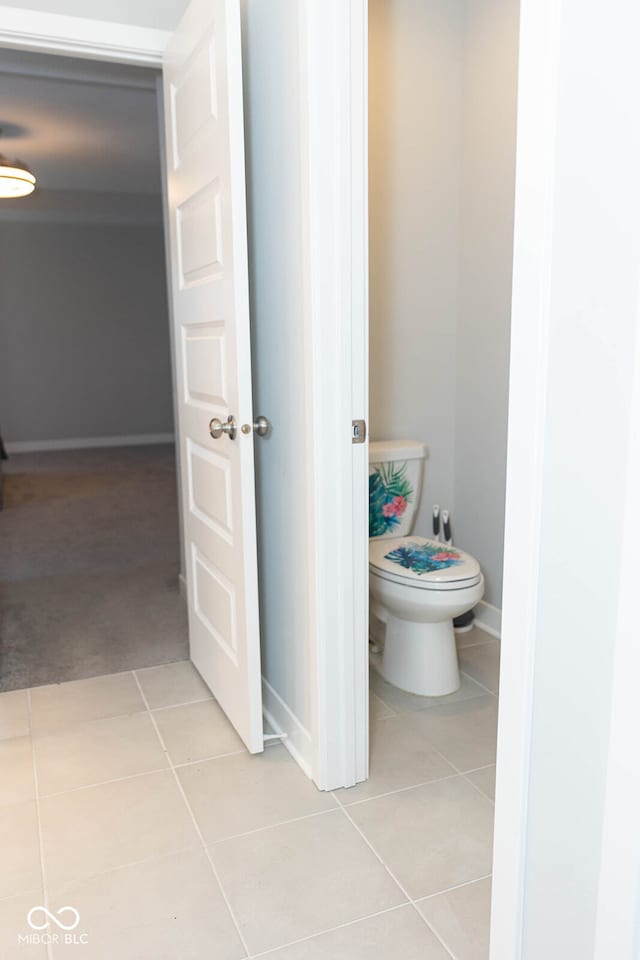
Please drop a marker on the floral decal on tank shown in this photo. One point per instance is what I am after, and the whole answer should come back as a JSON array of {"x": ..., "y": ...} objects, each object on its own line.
[
  {"x": 389, "y": 494},
  {"x": 425, "y": 557}
]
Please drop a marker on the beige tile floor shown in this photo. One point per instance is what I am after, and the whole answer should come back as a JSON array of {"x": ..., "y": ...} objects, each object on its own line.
[{"x": 130, "y": 798}]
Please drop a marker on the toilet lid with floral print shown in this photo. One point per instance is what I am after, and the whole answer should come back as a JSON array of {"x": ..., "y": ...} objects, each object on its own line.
[{"x": 421, "y": 560}]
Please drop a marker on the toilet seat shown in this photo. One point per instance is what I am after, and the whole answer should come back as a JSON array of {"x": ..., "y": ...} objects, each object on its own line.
[{"x": 422, "y": 563}]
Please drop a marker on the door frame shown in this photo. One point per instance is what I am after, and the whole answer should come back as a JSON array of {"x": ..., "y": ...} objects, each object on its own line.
[
  {"x": 528, "y": 366},
  {"x": 334, "y": 46},
  {"x": 55, "y": 33}
]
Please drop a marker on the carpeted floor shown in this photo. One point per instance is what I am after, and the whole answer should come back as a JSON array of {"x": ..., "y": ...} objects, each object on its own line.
[{"x": 89, "y": 563}]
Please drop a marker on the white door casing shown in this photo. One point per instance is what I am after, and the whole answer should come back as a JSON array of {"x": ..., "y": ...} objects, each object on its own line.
[
  {"x": 335, "y": 96},
  {"x": 209, "y": 280}
]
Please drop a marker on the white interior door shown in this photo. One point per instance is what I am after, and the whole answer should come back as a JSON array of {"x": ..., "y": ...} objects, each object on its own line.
[{"x": 209, "y": 277}]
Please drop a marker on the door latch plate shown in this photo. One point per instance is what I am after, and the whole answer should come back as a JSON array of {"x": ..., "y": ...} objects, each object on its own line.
[{"x": 358, "y": 431}]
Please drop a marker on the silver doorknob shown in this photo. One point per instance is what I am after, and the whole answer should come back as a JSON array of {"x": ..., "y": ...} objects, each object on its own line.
[
  {"x": 262, "y": 426},
  {"x": 217, "y": 428}
]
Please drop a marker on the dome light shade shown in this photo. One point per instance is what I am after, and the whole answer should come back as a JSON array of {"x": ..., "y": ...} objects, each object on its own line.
[{"x": 16, "y": 180}]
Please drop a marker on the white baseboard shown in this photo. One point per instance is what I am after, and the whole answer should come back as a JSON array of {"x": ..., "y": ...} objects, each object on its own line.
[
  {"x": 488, "y": 618},
  {"x": 86, "y": 443},
  {"x": 282, "y": 720}
]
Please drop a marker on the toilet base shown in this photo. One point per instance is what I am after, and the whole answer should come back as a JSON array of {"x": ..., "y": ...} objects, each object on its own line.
[{"x": 420, "y": 658}]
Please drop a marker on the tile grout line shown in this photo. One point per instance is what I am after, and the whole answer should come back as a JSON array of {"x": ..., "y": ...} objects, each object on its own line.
[
  {"x": 478, "y": 643},
  {"x": 43, "y": 875},
  {"x": 103, "y": 783},
  {"x": 410, "y": 711},
  {"x": 485, "y": 766},
  {"x": 73, "y": 724},
  {"x": 369, "y": 916},
  {"x": 193, "y": 820},
  {"x": 176, "y": 767},
  {"x": 72, "y": 881},
  {"x": 477, "y": 788},
  {"x": 141, "y": 773},
  {"x": 40, "y": 734},
  {"x": 394, "y": 712},
  {"x": 412, "y": 786},
  {"x": 463, "y": 774},
  {"x": 163, "y": 856},
  {"x": 233, "y": 836},
  {"x": 456, "y": 886},
  {"x": 218, "y": 756},
  {"x": 480, "y": 684},
  {"x": 53, "y": 731},
  {"x": 423, "y": 783},
  {"x": 185, "y": 703},
  {"x": 475, "y": 785},
  {"x": 321, "y": 933},
  {"x": 396, "y": 881},
  {"x": 274, "y": 826}
]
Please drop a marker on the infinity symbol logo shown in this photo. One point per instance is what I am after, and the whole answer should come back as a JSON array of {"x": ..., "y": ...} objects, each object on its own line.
[{"x": 54, "y": 917}]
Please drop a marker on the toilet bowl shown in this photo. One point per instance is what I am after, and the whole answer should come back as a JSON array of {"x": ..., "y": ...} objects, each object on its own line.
[
  {"x": 417, "y": 610},
  {"x": 416, "y": 585}
]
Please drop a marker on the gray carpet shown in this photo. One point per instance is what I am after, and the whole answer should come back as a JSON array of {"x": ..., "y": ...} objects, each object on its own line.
[{"x": 89, "y": 563}]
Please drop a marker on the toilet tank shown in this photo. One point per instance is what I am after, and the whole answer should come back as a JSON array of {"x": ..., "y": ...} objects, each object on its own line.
[{"x": 395, "y": 481}]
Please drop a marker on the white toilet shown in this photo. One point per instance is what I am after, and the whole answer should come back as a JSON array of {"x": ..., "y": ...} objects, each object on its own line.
[{"x": 416, "y": 586}]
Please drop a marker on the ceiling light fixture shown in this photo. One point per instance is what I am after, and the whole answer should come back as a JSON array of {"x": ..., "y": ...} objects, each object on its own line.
[{"x": 16, "y": 180}]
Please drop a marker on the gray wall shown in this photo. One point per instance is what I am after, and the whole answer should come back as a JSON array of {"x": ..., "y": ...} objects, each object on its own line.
[
  {"x": 486, "y": 254},
  {"x": 415, "y": 77},
  {"x": 443, "y": 79},
  {"x": 274, "y": 138},
  {"x": 84, "y": 334}
]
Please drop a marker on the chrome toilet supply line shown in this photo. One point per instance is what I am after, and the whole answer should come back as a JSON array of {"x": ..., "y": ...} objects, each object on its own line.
[{"x": 446, "y": 527}]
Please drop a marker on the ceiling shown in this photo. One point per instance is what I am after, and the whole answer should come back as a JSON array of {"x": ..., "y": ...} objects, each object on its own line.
[
  {"x": 161, "y": 14},
  {"x": 85, "y": 127}
]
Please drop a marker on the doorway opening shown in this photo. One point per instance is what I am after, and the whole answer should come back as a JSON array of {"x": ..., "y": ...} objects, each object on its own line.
[
  {"x": 89, "y": 530},
  {"x": 442, "y": 133}
]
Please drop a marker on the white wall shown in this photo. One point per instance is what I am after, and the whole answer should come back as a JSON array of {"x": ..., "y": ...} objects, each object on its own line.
[
  {"x": 570, "y": 608},
  {"x": 490, "y": 81},
  {"x": 415, "y": 78},
  {"x": 593, "y": 327},
  {"x": 442, "y": 94},
  {"x": 84, "y": 333},
  {"x": 276, "y": 245}
]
